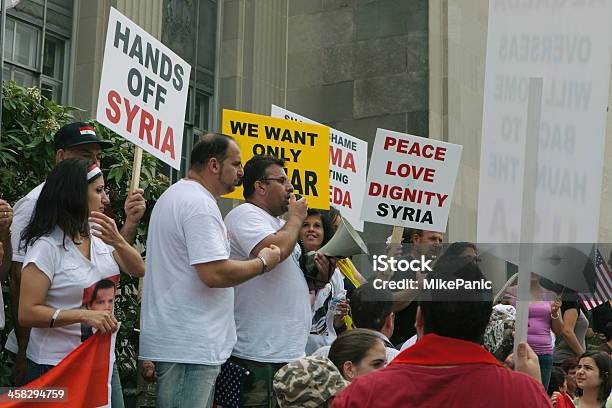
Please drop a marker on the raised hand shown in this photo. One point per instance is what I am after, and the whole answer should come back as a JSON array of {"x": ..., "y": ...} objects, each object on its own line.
[{"x": 105, "y": 228}]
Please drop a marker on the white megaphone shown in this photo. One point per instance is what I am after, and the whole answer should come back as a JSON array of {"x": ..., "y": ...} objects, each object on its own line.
[{"x": 345, "y": 242}]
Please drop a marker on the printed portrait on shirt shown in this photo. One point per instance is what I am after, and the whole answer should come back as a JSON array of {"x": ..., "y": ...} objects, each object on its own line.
[{"x": 99, "y": 296}]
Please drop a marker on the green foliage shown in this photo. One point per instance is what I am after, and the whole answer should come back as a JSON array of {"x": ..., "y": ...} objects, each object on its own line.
[{"x": 29, "y": 122}]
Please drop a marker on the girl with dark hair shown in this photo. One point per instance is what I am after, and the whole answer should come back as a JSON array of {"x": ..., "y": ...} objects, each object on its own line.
[
  {"x": 594, "y": 381},
  {"x": 358, "y": 352},
  {"x": 316, "y": 231},
  {"x": 71, "y": 246}
]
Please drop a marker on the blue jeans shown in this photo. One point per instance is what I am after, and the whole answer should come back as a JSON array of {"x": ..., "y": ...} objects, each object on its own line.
[
  {"x": 34, "y": 370},
  {"x": 181, "y": 385},
  {"x": 116, "y": 390},
  {"x": 545, "y": 368}
]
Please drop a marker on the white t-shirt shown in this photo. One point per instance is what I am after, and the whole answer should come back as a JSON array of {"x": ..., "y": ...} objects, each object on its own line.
[
  {"x": 322, "y": 331},
  {"x": 71, "y": 276},
  {"x": 272, "y": 311},
  {"x": 22, "y": 212},
  {"x": 183, "y": 320}
]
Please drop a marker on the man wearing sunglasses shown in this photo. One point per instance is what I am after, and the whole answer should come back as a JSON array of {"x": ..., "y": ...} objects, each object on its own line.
[{"x": 272, "y": 311}]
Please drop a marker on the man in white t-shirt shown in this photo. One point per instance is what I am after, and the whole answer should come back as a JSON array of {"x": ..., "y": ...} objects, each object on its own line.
[
  {"x": 76, "y": 140},
  {"x": 187, "y": 320},
  {"x": 6, "y": 218},
  {"x": 272, "y": 312}
]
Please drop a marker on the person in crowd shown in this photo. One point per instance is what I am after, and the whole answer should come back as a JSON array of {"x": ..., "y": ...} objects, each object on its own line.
[
  {"x": 352, "y": 278},
  {"x": 571, "y": 342},
  {"x": 570, "y": 366},
  {"x": 358, "y": 352},
  {"x": 309, "y": 382},
  {"x": 421, "y": 243},
  {"x": 371, "y": 309},
  {"x": 272, "y": 311},
  {"x": 544, "y": 316},
  {"x": 71, "y": 246},
  {"x": 328, "y": 296},
  {"x": 607, "y": 346},
  {"x": 187, "y": 320},
  {"x": 557, "y": 389},
  {"x": 448, "y": 358},
  {"x": 594, "y": 381},
  {"x": 6, "y": 218},
  {"x": 76, "y": 140}
]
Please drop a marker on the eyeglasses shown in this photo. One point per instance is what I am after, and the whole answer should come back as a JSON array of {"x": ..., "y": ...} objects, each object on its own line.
[{"x": 282, "y": 180}]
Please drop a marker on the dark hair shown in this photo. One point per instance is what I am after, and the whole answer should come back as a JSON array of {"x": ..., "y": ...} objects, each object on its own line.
[
  {"x": 352, "y": 346},
  {"x": 604, "y": 364},
  {"x": 101, "y": 284},
  {"x": 255, "y": 170},
  {"x": 370, "y": 307},
  {"x": 569, "y": 363},
  {"x": 408, "y": 233},
  {"x": 459, "y": 313},
  {"x": 328, "y": 228},
  {"x": 210, "y": 145},
  {"x": 62, "y": 203},
  {"x": 608, "y": 331},
  {"x": 456, "y": 249},
  {"x": 557, "y": 378},
  {"x": 333, "y": 213}
]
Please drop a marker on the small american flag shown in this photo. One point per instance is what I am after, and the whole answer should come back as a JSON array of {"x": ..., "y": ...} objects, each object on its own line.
[{"x": 603, "y": 285}]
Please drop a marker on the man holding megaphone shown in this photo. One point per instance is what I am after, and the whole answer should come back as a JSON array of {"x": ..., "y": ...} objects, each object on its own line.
[{"x": 272, "y": 311}]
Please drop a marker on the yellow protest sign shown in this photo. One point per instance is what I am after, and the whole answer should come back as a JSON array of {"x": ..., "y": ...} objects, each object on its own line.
[{"x": 303, "y": 146}]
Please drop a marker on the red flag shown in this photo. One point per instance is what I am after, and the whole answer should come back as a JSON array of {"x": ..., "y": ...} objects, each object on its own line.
[
  {"x": 84, "y": 374},
  {"x": 603, "y": 285}
]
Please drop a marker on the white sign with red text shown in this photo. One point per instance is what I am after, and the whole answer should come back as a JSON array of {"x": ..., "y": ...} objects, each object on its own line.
[
  {"x": 348, "y": 161},
  {"x": 143, "y": 90},
  {"x": 410, "y": 181}
]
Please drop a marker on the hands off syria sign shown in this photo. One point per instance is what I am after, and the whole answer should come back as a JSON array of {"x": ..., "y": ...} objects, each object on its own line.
[
  {"x": 143, "y": 90},
  {"x": 410, "y": 181}
]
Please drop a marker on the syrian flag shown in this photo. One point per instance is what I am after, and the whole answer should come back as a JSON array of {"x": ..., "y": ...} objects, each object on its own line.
[
  {"x": 82, "y": 379},
  {"x": 87, "y": 130},
  {"x": 603, "y": 285}
]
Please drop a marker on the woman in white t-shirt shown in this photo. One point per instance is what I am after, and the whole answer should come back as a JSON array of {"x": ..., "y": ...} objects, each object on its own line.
[
  {"x": 72, "y": 246},
  {"x": 328, "y": 297}
]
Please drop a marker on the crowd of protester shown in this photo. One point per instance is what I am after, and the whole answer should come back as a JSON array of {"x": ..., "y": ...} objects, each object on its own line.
[{"x": 247, "y": 311}]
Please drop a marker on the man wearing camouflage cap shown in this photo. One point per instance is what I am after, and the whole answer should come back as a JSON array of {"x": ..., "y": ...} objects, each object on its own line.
[{"x": 309, "y": 382}]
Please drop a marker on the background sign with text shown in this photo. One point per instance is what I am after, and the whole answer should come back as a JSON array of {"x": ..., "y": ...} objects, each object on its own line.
[
  {"x": 347, "y": 168},
  {"x": 410, "y": 181},
  {"x": 303, "y": 146}
]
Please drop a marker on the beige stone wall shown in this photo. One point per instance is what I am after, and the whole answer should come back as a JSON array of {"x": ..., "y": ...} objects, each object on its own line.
[
  {"x": 457, "y": 62},
  {"x": 90, "y": 38}
]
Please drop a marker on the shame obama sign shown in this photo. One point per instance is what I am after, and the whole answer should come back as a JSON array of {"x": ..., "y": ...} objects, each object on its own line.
[
  {"x": 410, "y": 181},
  {"x": 143, "y": 90},
  {"x": 303, "y": 146}
]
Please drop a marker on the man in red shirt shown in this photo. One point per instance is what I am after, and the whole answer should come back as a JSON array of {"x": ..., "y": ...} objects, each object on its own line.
[{"x": 448, "y": 367}]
